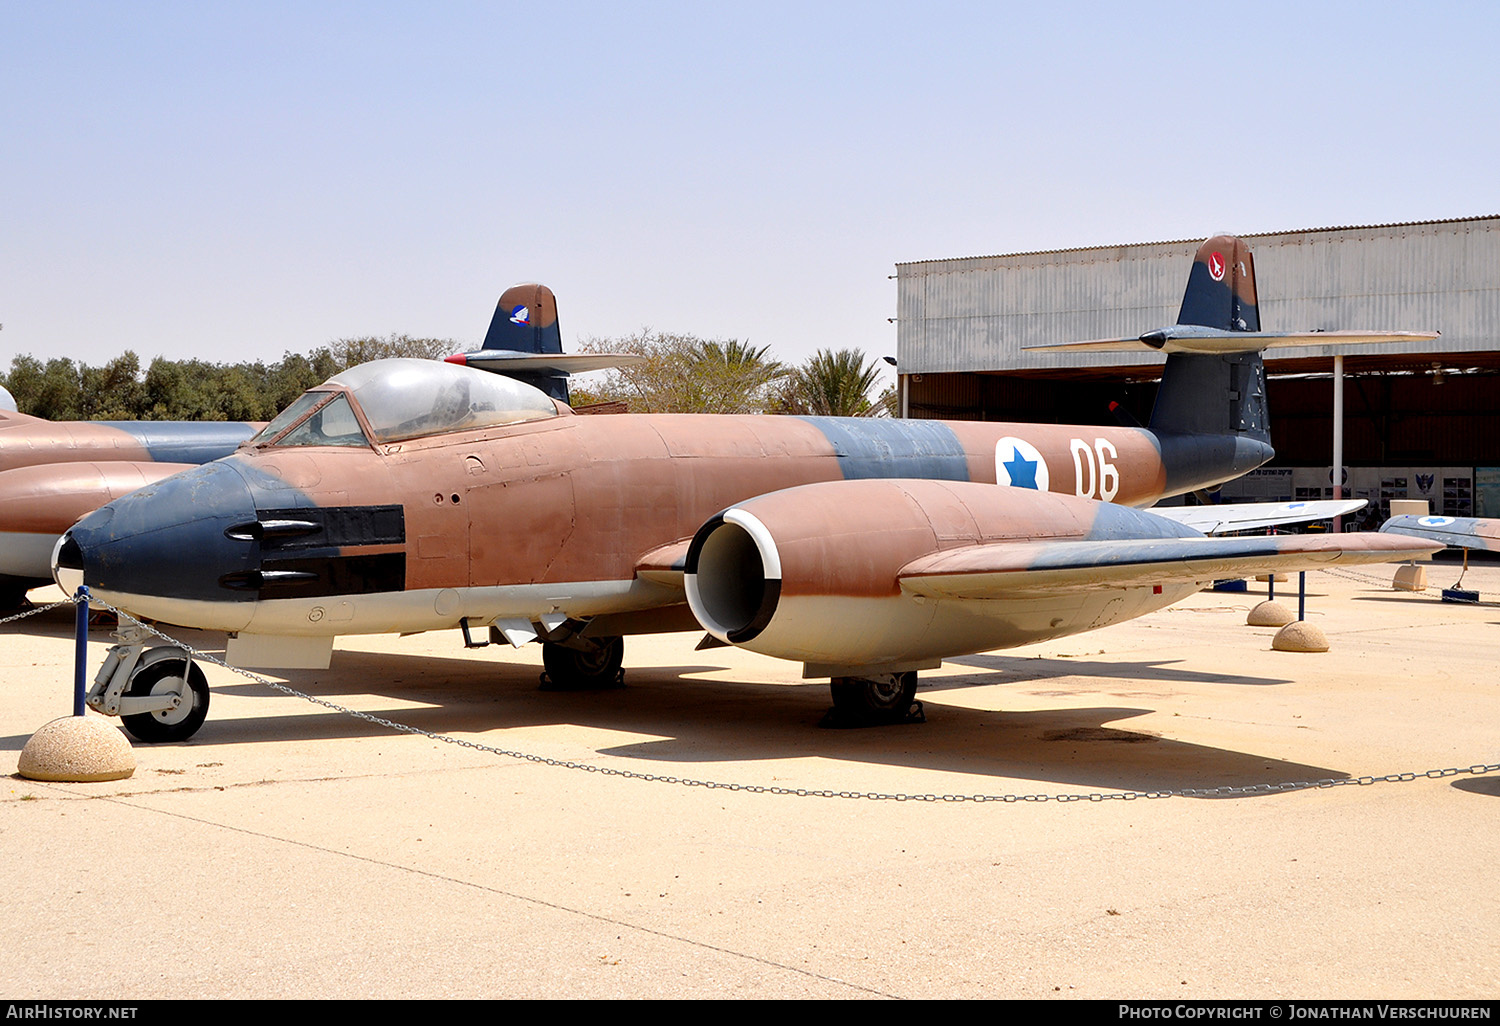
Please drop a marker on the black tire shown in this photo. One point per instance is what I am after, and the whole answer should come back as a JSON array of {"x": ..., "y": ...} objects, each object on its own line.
[
  {"x": 885, "y": 699},
  {"x": 582, "y": 669},
  {"x": 173, "y": 724}
]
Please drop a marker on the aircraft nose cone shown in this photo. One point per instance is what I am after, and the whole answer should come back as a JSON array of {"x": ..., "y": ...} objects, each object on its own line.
[
  {"x": 67, "y": 564},
  {"x": 168, "y": 541}
]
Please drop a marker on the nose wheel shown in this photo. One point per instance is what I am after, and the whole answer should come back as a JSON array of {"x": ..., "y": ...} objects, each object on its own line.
[
  {"x": 159, "y": 694},
  {"x": 178, "y": 680}
]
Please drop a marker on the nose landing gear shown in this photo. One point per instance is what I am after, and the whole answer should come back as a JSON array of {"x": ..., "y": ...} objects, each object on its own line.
[{"x": 160, "y": 694}]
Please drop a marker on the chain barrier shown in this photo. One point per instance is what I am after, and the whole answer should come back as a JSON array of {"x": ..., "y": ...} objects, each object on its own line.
[
  {"x": 34, "y": 610},
  {"x": 1226, "y": 791},
  {"x": 1355, "y": 575}
]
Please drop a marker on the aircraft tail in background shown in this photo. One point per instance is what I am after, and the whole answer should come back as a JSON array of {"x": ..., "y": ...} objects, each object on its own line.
[{"x": 524, "y": 343}]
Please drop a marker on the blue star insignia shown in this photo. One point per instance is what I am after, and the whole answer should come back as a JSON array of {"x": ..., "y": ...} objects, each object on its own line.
[{"x": 1021, "y": 470}]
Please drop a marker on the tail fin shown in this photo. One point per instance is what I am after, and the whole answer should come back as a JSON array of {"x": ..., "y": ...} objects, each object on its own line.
[
  {"x": 1221, "y": 287},
  {"x": 524, "y": 343},
  {"x": 525, "y": 321},
  {"x": 1222, "y": 393},
  {"x": 1210, "y": 417}
]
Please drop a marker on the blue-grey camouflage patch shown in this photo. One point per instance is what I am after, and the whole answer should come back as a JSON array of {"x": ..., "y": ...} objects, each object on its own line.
[{"x": 877, "y": 448}]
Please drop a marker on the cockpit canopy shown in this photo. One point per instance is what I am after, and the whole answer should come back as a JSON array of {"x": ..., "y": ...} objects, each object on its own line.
[{"x": 403, "y": 399}]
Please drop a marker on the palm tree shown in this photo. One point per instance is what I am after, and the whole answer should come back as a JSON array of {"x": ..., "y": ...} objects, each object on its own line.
[
  {"x": 730, "y": 376},
  {"x": 833, "y": 384}
]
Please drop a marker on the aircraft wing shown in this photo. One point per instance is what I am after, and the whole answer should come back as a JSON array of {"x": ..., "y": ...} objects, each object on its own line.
[
  {"x": 1011, "y": 570},
  {"x": 1451, "y": 532},
  {"x": 1246, "y": 516}
]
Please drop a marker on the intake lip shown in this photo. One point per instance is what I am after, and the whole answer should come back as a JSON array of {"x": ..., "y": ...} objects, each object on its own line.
[{"x": 732, "y": 576}]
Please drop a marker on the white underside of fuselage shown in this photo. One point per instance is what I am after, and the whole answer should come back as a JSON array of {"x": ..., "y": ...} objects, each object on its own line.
[
  {"x": 397, "y": 612},
  {"x": 830, "y": 635}
]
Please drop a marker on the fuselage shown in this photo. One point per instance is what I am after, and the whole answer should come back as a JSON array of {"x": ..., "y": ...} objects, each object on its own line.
[{"x": 557, "y": 515}]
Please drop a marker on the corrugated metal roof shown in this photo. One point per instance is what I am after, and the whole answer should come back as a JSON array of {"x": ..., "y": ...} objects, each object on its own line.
[{"x": 1185, "y": 242}]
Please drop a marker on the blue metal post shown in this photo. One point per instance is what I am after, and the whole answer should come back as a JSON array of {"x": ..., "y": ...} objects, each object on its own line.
[
  {"x": 1302, "y": 595},
  {"x": 80, "y": 651}
]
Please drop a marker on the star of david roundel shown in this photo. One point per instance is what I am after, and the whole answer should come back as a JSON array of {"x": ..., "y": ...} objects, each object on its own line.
[{"x": 1019, "y": 464}]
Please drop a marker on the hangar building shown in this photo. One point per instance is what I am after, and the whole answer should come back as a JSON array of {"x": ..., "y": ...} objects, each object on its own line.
[{"x": 1421, "y": 419}]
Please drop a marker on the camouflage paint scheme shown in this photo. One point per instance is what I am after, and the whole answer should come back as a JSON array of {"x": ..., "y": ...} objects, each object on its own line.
[{"x": 52, "y": 473}]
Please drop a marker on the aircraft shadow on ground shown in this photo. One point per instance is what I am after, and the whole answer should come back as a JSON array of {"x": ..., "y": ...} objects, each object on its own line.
[
  {"x": 1488, "y": 785},
  {"x": 695, "y": 721},
  {"x": 1019, "y": 669},
  {"x": 1426, "y": 602}
]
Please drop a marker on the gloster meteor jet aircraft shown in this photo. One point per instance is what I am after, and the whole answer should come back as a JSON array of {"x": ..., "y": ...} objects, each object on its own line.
[{"x": 406, "y": 495}]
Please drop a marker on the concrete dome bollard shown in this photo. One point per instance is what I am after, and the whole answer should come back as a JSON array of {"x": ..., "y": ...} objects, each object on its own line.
[
  {"x": 1300, "y": 636},
  {"x": 1270, "y": 614},
  {"x": 1410, "y": 578},
  {"x": 79, "y": 749}
]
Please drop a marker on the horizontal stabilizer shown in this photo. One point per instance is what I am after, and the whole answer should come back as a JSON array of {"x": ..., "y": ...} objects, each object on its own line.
[
  {"x": 1006, "y": 570},
  {"x": 508, "y": 361},
  {"x": 1453, "y": 532},
  {"x": 1247, "y": 516},
  {"x": 1189, "y": 338}
]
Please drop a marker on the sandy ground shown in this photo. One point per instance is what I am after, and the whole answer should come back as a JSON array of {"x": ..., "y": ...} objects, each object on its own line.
[{"x": 291, "y": 851}]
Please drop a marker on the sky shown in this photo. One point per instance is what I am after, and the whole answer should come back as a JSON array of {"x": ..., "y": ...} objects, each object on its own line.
[{"x": 235, "y": 181}]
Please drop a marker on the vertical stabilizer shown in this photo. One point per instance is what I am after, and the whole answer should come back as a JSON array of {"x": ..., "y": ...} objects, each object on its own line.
[
  {"x": 1221, "y": 287},
  {"x": 1216, "y": 394},
  {"x": 1211, "y": 408},
  {"x": 525, "y": 321}
]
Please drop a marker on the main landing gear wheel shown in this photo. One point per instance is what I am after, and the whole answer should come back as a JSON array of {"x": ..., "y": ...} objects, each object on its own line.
[
  {"x": 165, "y": 677},
  {"x": 867, "y": 701},
  {"x": 593, "y": 666}
]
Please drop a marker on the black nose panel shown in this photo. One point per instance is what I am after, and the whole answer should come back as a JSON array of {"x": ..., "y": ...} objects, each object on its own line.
[{"x": 168, "y": 539}]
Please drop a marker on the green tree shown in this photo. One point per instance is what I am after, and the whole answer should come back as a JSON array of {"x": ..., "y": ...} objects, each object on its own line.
[
  {"x": 351, "y": 352},
  {"x": 684, "y": 374},
  {"x": 834, "y": 384},
  {"x": 53, "y": 391},
  {"x": 111, "y": 392}
]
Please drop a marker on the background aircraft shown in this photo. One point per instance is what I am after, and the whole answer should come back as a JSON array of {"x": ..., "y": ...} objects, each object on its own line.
[
  {"x": 1480, "y": 533},
  {"x": 407, "y": 495},
  {"x": 53, "y": 472}
]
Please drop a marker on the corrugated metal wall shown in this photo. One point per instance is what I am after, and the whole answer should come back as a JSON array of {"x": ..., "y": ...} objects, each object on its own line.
[{"x": 977, "y": 313}]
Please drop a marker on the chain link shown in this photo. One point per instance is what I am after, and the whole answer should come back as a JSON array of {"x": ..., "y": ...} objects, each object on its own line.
[{"x": 795, "y": 792}]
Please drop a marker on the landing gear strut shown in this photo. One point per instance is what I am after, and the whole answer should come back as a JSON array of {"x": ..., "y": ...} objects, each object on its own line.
[
  {"x": 883, "y": 698},
  {"x": 583, "y": 664}
]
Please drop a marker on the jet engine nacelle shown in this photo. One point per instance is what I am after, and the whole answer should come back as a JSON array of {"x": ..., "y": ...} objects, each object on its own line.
[{"x": 814, "y": 573}]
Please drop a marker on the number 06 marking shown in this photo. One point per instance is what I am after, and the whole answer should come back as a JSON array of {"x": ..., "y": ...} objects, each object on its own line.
[{"x": 1096, "y": 474}]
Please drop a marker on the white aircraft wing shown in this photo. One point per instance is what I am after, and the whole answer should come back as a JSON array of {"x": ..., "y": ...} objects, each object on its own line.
[{"x": 1246, "y": 516}]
